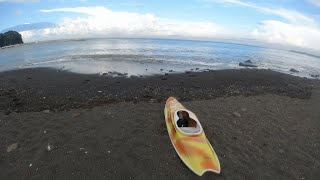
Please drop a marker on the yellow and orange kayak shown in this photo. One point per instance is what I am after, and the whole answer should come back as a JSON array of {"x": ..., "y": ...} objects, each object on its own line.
[{"x": 190, "y": 143}]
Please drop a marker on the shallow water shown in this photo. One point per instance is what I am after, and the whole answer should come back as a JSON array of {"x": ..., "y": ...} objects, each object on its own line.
[{"x": 151, "y": 56}]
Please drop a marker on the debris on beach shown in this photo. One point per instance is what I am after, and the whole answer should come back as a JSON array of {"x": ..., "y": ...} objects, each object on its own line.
[
  {"x": 49, "y": 147},
  {"x": 12, "y": 147},
  {"x": 247, "y": 63}
]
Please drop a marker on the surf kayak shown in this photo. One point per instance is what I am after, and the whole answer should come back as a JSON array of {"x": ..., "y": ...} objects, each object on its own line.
[{"x": 190, "y": 142}]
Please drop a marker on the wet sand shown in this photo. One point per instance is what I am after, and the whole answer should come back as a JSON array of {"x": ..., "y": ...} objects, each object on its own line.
[{"x": 101, "y": 127}]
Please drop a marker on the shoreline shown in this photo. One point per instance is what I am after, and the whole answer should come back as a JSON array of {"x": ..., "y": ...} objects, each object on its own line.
[{"x": 39, "y": 89}]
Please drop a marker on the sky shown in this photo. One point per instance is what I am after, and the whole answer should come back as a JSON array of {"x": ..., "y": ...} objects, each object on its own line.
[{"x": 283, "y": 22}]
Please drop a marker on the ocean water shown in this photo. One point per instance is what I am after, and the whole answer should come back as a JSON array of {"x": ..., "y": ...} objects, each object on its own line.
[{"x": 152, "y": 56}]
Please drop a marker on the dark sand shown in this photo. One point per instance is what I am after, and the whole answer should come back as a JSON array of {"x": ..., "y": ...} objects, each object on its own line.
[{"x": 112, "y": 128}]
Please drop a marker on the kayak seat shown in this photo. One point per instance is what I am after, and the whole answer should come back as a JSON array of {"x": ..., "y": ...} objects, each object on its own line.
[
  {"x": 194, "y": 126},
  {"x": 190, "y": 129}
]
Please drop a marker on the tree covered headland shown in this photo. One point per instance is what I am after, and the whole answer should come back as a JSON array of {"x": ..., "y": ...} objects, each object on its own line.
[{"x": 10, "y": 38}]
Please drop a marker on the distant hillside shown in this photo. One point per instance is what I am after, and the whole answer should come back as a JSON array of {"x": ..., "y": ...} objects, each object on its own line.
[
  {"x": 10, "y": 38},
  {"x": 29, "y": 26}
]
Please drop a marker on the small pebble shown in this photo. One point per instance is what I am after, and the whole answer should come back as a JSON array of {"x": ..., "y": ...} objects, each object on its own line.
[
  {"x": 152, "y": 100},
  {"x": 281, "y": 151},
  {"x": 77, "y": 114},
  {"x": 46, "y": 111},
  {"x": 49, "y": 147},
  {"x": 236, "y": 114}
]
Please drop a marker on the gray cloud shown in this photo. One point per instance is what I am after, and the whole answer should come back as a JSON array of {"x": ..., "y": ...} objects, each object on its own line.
[{"x": 315, "y": 2}]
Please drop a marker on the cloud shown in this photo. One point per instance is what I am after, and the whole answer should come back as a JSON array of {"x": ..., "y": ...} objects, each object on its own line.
[
  {"x": 290, "y": 15},
  {"x": 288, "y": 34},
  {"x": 20, "y": 1},
  {"x": 298, "y": 30},
  {"x": 315, "y": 2},
  {"x": 102, "y": 22}
]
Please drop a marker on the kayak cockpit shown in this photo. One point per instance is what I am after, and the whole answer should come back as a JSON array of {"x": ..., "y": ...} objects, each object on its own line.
[{"x": 192, "y": 127}]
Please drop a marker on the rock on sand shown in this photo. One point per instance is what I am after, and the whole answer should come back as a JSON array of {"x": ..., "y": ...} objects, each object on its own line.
[
  {"x": 247, "y": 63},
  {"x": 294, "y": 70},
  {"x": 236, "y": 114},
  {"x": 12, "y": 147}
]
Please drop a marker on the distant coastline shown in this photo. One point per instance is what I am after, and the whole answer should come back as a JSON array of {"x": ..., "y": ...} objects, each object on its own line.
[
  {"x": 222, "y": 41},
  {"x": 304, "y": 53},
  {"x": 36, "y": 42}
]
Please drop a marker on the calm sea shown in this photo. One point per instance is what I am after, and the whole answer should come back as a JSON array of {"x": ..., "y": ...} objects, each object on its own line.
[{"x": 151, "y": 56}]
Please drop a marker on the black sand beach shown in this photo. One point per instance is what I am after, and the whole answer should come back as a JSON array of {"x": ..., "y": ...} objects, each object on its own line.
[{"x": 262, "y": 124}]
